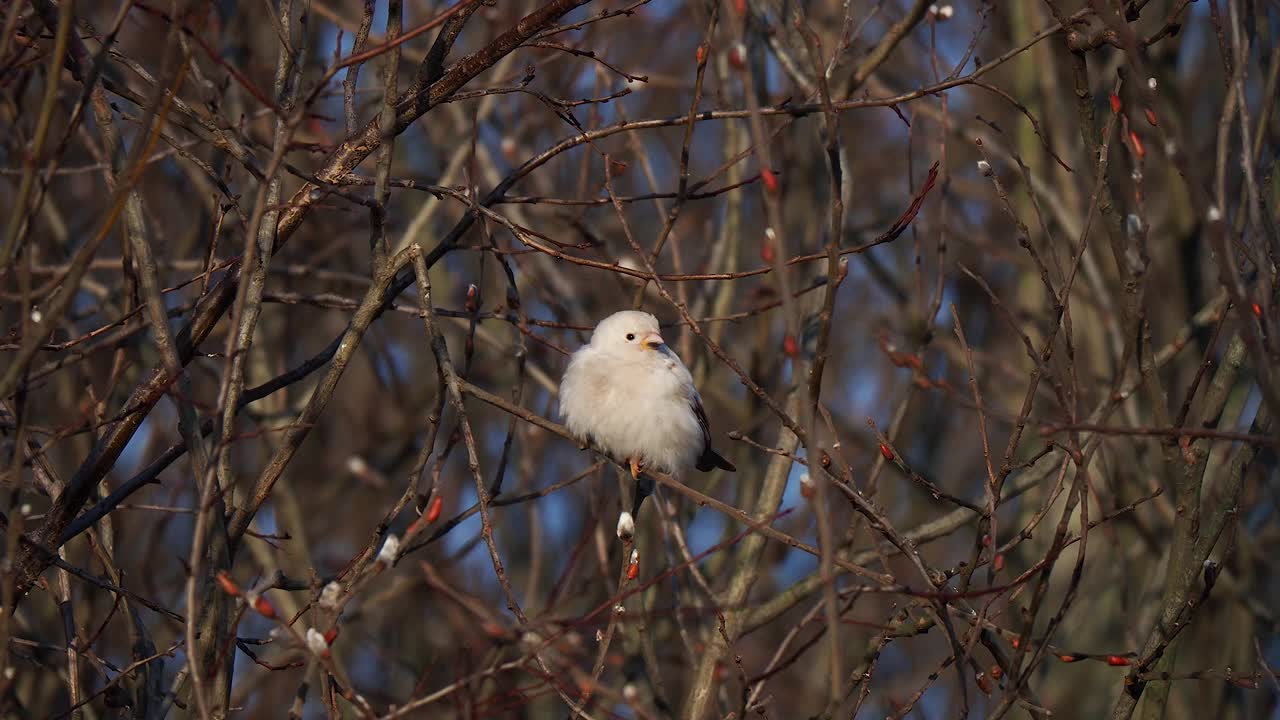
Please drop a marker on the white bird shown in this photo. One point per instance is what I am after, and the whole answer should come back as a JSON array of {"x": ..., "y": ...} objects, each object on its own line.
[{"x": 628, "y": 393}]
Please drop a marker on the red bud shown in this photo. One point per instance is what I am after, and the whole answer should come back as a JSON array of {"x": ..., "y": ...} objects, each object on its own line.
[
  {"x": 1257, "y": 310},
  {"x": 330, "y": 635},
  {"x": 633, "y": 571},
  {"x": 1117, "y": 660},
  {"x": 1151, "y": 116},
  {"x": 433, "y": 510},
  {"x": 701, "y": 54},
  {"x": 264, "y": 607},
  {"x": 766, "y": 252},
  {"x": 1137, "y": 145},
  {"x": 228, "y": 585},
  {"x": 770, "y": 180},
  {"x": 1068, "y": 658},
  {"x": 740, "y": 6},
  {"x": 997, "y": 672},
  {"x": 886, "y": 452},
  {"x": 983, "y": 683},
  {"x": 998, "y": 562},
  {"x": 790, "y": 346},
  {"x": 1115, "y": 103}
]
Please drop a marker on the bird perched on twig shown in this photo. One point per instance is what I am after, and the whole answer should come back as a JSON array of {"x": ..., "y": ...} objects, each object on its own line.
[{"x": 627, "y": 392}]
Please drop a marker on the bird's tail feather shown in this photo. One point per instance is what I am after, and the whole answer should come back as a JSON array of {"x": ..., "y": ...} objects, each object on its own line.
[{"x": 710, "y": 460}]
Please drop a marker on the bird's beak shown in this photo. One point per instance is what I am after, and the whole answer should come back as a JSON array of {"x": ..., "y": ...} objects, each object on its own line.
[{"x": 652, "y": 340}]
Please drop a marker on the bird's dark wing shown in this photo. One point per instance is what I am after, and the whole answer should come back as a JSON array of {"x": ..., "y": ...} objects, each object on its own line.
[{"x": 709, "y": 459}]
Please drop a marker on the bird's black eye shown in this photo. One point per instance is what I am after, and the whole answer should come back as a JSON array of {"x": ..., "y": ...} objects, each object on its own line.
[{"x": 631, "y": 336}]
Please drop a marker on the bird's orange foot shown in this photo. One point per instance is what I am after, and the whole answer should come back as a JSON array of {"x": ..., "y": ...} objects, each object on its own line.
[{"x": 635, "y": 468}]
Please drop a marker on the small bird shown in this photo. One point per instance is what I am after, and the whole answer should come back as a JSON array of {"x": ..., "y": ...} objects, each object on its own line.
[{"x": 627, "y": 392}]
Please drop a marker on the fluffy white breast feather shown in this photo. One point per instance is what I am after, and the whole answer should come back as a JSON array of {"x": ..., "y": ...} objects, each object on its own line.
[{"x": 627, "y": 392}]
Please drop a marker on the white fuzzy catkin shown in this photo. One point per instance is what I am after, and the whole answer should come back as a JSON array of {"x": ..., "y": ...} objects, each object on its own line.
[
  {"x": 329, "y": 596},
  {"x": 315, "y": 642},
  {"x": 390, "y": 549},
  {"x": 626, "y": 526}
]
